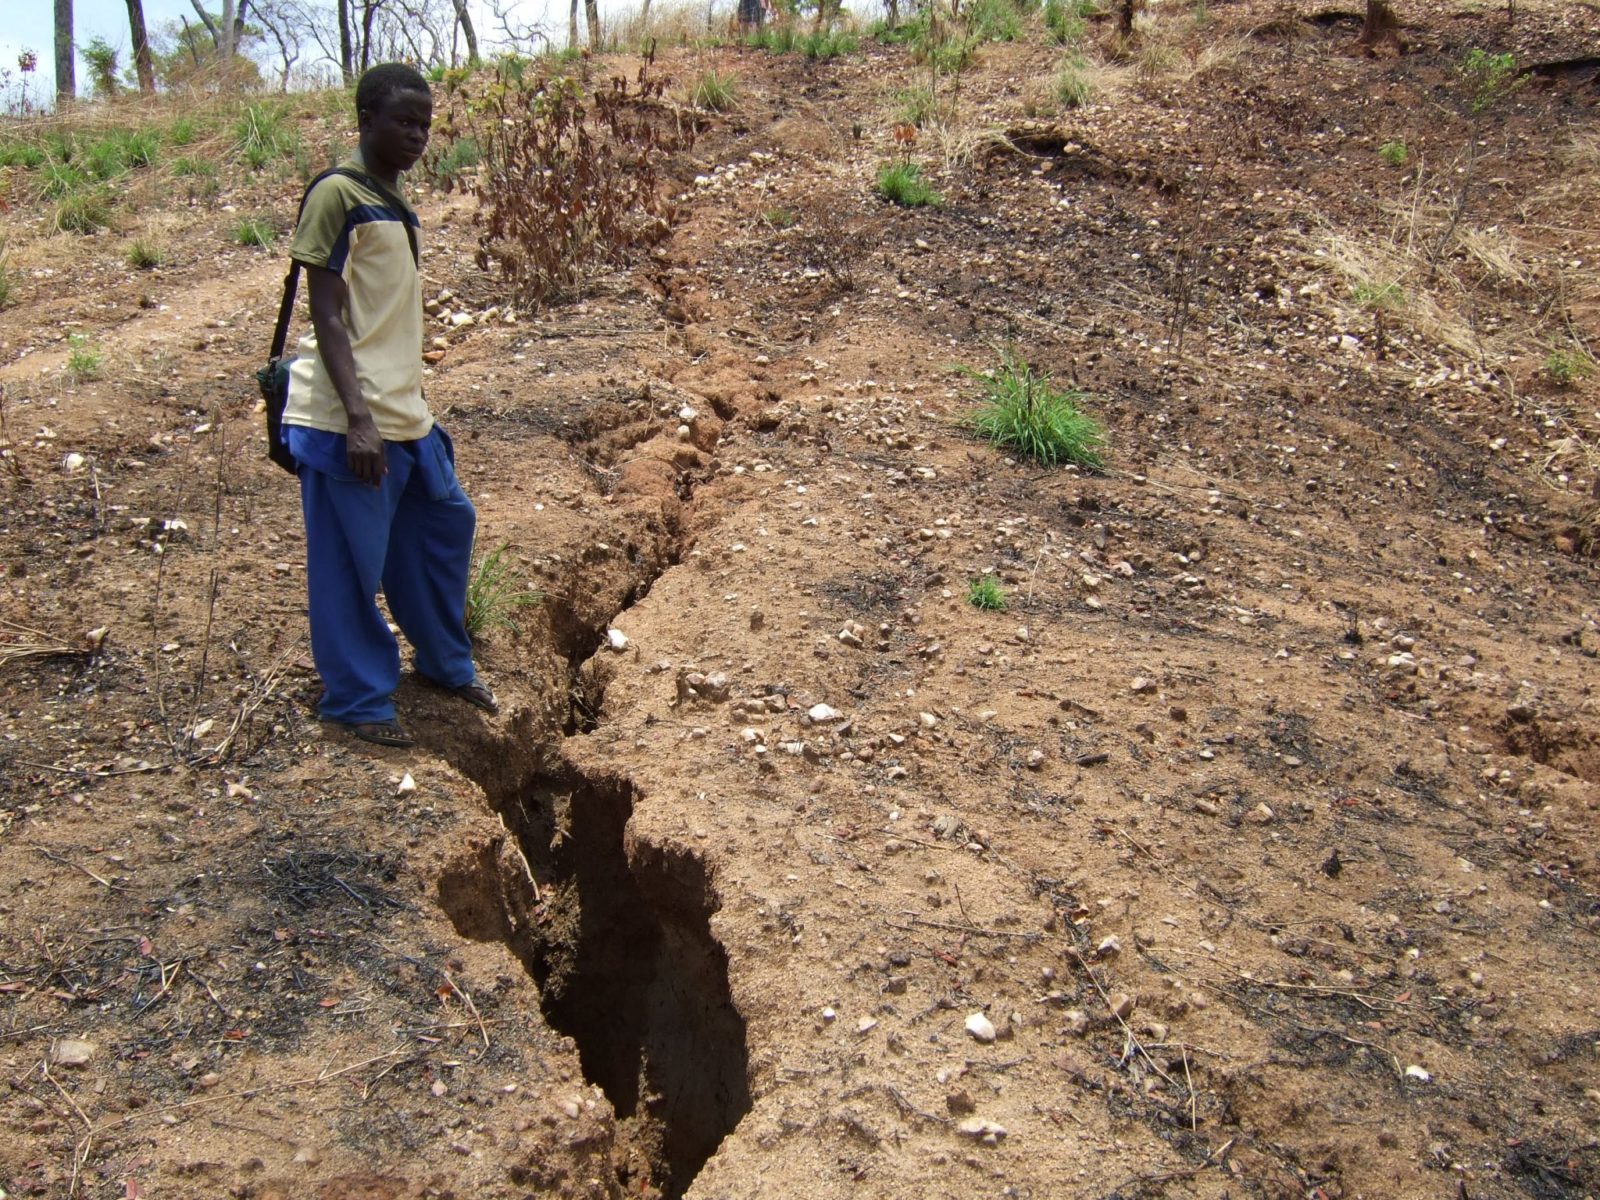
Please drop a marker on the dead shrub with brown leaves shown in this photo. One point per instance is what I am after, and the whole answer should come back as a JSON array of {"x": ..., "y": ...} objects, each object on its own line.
[{"x": 571, "y": 175}]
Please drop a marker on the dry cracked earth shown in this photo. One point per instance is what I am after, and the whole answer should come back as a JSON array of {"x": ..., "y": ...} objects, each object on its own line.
[{"x": 1247, "y": 852}]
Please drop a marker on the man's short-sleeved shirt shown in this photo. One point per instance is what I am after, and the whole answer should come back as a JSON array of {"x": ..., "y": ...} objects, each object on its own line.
[{"x": 349, "y": 228}]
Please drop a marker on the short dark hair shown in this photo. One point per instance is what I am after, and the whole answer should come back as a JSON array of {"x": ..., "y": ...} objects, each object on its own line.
[{"x": 384, "y": 80}]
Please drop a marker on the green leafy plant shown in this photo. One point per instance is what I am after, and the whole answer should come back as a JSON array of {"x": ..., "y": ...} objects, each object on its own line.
[
  {"x": 84, "y": 359},
  {"x": 1063, "y": 23},
  {"x": 83, "y": 212},
  {"x": 1394, "y": 153},
  {"x": 1489, "y": 78},
  {"x": 987, "y": 594},
  {"x": 1567, "y": 367},
  {"x": 254, "y": 231},
  {"x": 779, "y": 218},
  {"x": 713, "y": 92},
  {"x": 495, "y": 593},
  {"x": 902, "y": 183},
  {"x": 182, "y": 132},
  {"x": 1024, "y": 412},
  {"x": 101, "y": 58},
  {"x": 145, "y": 254}
]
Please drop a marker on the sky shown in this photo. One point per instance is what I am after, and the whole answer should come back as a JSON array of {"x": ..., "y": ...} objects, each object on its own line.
[{"x": 30, "y": 25}]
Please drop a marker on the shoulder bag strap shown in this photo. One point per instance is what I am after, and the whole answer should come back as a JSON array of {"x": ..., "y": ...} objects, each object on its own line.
[{"x": 291, "y": 281}]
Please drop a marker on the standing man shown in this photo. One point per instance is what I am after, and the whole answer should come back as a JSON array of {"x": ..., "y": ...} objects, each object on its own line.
[{"x": 377, "y": 476}]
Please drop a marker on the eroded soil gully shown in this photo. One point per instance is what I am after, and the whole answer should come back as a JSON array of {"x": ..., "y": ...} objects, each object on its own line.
[{"x": 615, "y": 930}]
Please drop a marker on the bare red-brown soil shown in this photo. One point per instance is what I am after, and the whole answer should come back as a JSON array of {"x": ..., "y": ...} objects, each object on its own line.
[{"x": 1248, "y": 852}]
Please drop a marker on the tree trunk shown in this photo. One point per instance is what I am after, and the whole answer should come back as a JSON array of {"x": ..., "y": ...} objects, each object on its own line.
[
  {"x": 346, "y": 57},
  {"x": 66, "y": 77},
  {"x": 225, "y": 46},
  {"x": 141, "y": 47},
  {"x": 572, "y": 27},
  {"x": 1381, "y": 29},
  {"x": 369, "y": 13},
  {"x": 591, "y": 12},
  {"x": 1125, "y": 19},
  {"x": 464, "y": 19}
]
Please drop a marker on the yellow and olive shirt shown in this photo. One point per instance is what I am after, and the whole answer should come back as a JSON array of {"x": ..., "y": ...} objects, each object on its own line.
[{"x": 349, "y": 228}]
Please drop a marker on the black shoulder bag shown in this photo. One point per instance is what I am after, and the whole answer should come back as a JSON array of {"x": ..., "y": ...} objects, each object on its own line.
[{"x": 273, "y": 379}]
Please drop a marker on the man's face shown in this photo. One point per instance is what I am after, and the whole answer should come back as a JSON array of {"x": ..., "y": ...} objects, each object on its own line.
[{"x": 396, "y": 133}]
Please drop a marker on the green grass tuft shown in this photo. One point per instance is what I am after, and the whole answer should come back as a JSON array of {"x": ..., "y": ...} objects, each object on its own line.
[
  {"x": 986, "y": 594},
  {"x": 779, "y": 218},
  {"x": 1073, "y": 89},
  {"x": 58, "y": 179},
  {"x": 145, "y": 254},
  {"x": 1023, "y": 412},
  {"x": 1567, "y": 367},
  {"x": 188, "y": 166},
  {"x": 918, "y": 106},
  {"x": 902, "y": 184},
  {"x": 1393, "y": 153},
  {"x": 994, "y": 20},
  {"x": 83, "y": 212},
  {"x": 254, "y": 231},
  {"x": 7, "y": 283},
  {"x": 20, "y": 154},
  {"x": 495, "y": 594},
  {"x": 777, "y": 38},
  {"x": 263, "y": 134},
  {"x": 713, "y": 92},
  {"x": 461, "y": 157}
]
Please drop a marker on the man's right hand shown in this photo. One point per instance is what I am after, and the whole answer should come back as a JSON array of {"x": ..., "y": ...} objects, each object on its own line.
[{"x": 364, "y": 451}]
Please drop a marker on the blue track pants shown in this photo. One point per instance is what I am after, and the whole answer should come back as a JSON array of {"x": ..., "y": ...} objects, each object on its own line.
[{"x": 413, "y": 536}]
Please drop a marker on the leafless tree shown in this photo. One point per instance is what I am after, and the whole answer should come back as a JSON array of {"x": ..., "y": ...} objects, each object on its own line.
[{"x": 284, "y": 21}]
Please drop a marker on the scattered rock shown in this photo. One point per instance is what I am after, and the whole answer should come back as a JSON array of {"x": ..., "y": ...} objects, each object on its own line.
[
  {"x": 982, "y": 1129},
  {"x": 1143, "y": 685},
  {"x": 72, "y": 1052},
  {"x": 823, "y": 712},
  {"x": 1261, "y": 814},
  {"x": 959, "y": 1104},
  {"x": 1121, "y": 1005},
  {"x": 981, "y": 1028}
]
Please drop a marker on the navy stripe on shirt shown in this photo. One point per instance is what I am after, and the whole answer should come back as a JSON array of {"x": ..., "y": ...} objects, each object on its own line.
[{"x": 362, "y": 214}]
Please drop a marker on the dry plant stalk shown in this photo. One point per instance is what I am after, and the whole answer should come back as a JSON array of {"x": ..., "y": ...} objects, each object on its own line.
[{"x": 20, "y": 642}]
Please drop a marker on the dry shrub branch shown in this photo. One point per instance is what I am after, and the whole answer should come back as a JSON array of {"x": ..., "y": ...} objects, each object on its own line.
[{"x": 571, "y": 178}]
